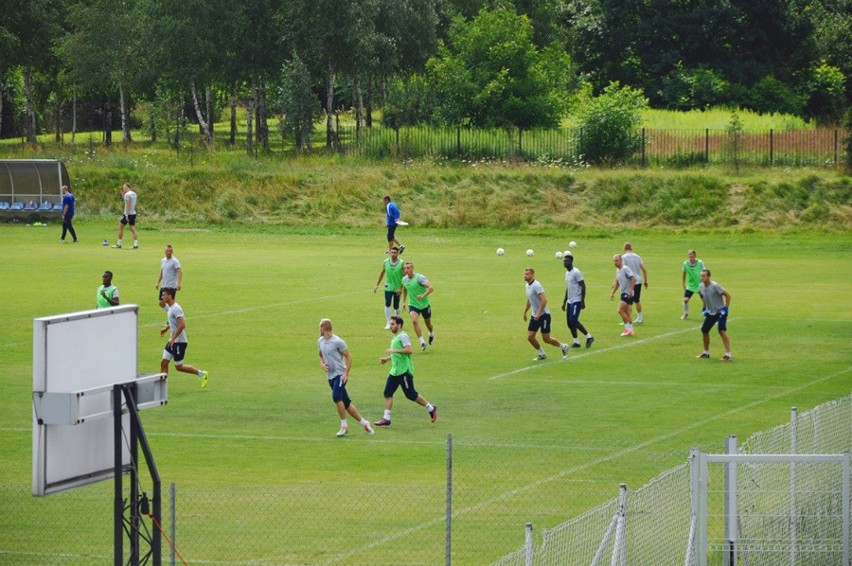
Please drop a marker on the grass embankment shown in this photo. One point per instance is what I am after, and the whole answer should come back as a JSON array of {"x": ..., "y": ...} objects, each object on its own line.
[{"x": 321, "y": 191}]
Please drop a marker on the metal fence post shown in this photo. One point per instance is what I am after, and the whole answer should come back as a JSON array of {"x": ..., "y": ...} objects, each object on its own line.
[
  {"x": 172, "y": 528},
  {"x": 449, "y": 522},
  {"x": 731, "y": 526},
  {"x": 528, "y": 544},
  {"x": 794, "y": 449}
]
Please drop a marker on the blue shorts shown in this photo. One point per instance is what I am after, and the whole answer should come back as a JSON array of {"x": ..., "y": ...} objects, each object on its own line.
[
  {"x": 128, "y": 219},
  {"x": 712, "y": 319},
  {"x": 637, "y": 293},
  {"x": 406, "y": 381},
  {"x": 338, "y": 392},
  {"x": 425, "y": 313},
  {"x": 688, "y": 293},
  {"x": 572, "y": 314},
  {"x": 391, "y": 296},
  {"x": 624, "y": 299},
  {"x": 543, "y": 324},
  {"x": 177, "y": 352}
]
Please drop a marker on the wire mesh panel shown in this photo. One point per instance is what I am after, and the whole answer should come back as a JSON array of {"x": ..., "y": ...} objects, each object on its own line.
[{"x": 786, "y": 509}]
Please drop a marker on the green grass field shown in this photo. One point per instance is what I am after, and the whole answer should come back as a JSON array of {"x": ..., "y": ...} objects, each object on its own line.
[{"x": 260, "y": 475}]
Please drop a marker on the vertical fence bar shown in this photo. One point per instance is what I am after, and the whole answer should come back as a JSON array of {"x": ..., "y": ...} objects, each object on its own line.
[
  {"x": 771, "y": 146},
  {"x": 619, "y": 547},
  {"x": 707, "y": 146},
  {"x": 847, "y": 559},
  {"x": 731, "y": 526},
  {"x": 836, "y": 146},
  {"x": 644, "y": 160},
  {"x": 528, "y": 545},
  {"x": 172, "y": 519},
  {"x": 449, "y": 522},
  {"x": 794, "y": 449}
]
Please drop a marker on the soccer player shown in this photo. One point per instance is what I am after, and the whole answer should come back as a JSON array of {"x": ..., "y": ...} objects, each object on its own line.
[
  {"x": 415, "y": 293},
  {"x": 636, "y": 265},
  {"x": 129, "y": 216},
  {"x": 575, "y": 300},
  {"x": 176, "y": 346},
  {"x": 540, "y": 319},
  {"x": 392, "y": 219},
  {"x": 171, "y": 274},
  {"x": 401, "y": 373},
  {"x": 332, "y": 353},
  {"x": 716, "y": 303},
  {"x": 691, "y": 279},
  {"x": 626, "y": 280},
  {"x": 107, "y": 293},
  {"x": 67, "y": 213},
  {"x": 392, "y": 272}
]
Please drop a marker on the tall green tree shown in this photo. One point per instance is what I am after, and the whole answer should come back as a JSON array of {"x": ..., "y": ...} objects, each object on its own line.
[
  {"x": 103, "y": 52},
  {"x": 489, "y": 73}
]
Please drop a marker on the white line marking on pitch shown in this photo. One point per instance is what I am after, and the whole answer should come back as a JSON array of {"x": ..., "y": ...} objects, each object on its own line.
[
  {"x": 563, "y": 473},
  {"x": 627, "y": 344}
]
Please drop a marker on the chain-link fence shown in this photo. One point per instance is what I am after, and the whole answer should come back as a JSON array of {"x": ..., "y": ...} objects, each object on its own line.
[
  {"x": 787, "y": 513},
  {"x": 468, "y": 508}
]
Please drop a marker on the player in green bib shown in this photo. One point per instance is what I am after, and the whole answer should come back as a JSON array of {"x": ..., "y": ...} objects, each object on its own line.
[
  {"x": 392, "y": 272},
  {"x": 691, "y": 279},
  {"x": 107, "y": 293},
  {"x": 401, "y": 373},
  {"x": 415, "y": 293}
]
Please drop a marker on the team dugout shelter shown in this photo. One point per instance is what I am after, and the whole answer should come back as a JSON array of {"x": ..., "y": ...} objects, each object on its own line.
[{"x": 31, "y": 189}]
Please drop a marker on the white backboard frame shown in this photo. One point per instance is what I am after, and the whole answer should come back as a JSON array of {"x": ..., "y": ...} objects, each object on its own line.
[{"x": 87, "y": 351}]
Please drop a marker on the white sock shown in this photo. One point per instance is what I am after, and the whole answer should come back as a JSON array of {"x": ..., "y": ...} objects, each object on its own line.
[
  {"x": 686, "y": 307},
  {"x": 387, "y": 414},
  {"x": 429, "y": 407},
  {"x": 541, "y": 352},
  {"x": 364, "y": 421},
  {"x": 387, "y": 314},
  {"x": 729, "y": 354},
  {"x": 343, "y": 423},
  {"x": 422, "y": 340},
  {"x": 118, "y": 242},
  {"x": 576, "y": 340},
  {"x": 588, "y": 335},
  {"x": 136, "y": 243}
]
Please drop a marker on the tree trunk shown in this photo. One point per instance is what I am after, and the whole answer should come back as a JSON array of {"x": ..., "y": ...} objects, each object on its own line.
[
  {"x": 125, "y": 115},
  {"x": 262, "y": 121},
  {"x": 31, "y": 117},
  {"x": 208, "y": 96},
  {"x": 58, "y": 121},
  {"x": 358, "y": 100},
  {"x": 2, "y": 93},
  {"x": 107, "y": 123},
  {"x": 202, "y": 123},
  {"x": 368, "y": 104},
  {"x": 250, "y": 119},
  {"x": 233, "y": 138},
  {"x": 330, "y": 135},
  {"x": 73, "y": 114}
]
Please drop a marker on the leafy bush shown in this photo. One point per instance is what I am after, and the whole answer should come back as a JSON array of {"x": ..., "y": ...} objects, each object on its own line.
[
  {"x": 771, "y": 95},
  {"x": 827, "y": 87},
  {"x": 610, "y": 124},
  {"x": 688, "y": 89}
]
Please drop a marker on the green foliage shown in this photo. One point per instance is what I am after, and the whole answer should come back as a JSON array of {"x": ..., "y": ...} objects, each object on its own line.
[
  {"x": 771, "y": 95},
  {"x": 610, "y": 124},
  {"x": 294, "y": 100},
  {"x": 827, "y": 89},
  {"x": 734, "y": 141},
  {"x": 685, "y": 89},
  {"x": 489, "y": 73},
  {"x": 409, "y": 102}
]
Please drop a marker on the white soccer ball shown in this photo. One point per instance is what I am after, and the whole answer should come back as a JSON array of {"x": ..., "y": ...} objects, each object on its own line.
[
  {"x": 530, "y": 253},
  {"x": 559, "y": 255},
  {"x": 572, "y": 244},
  {"x": 500, "y": 251}
]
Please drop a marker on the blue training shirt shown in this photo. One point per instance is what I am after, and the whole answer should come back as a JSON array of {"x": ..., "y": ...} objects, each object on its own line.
[
  {"x": 393, "y": 213},
  {"x": 68, "y": 200}
]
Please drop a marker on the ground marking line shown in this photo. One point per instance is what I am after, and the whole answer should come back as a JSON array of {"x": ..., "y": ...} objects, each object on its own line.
[
  {"x": 626, "y": 344},
  {"x": 563, "y": 473}
]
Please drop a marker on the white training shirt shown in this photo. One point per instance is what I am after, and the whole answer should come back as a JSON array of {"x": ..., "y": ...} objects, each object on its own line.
[
  {"x": 623, "y": 275},
  {"x": 169, "y": 269},
  {"x": 534, "y": 289},
  {"x": 176, "y": 312},
  {"x": 634, "y": 262},
  {"x": 572, "y": 285},
  {"x": 332, "y": 354},
  {"x": 130, "y": 202}
]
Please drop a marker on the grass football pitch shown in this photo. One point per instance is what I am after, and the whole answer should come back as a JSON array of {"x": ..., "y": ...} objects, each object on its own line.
[{"x": 538, "y": 442}]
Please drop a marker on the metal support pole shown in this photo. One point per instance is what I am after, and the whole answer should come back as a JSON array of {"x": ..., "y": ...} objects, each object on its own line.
[
  {"x": 794, "y": 449},
  {"x": 449, "y": 522},
  {"x": 528, "y": 545},
  {"x": 172, "y": 517},
  {"x": 118, "y": 503},
  {"x": 731, "y": 526}
]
